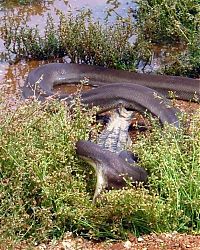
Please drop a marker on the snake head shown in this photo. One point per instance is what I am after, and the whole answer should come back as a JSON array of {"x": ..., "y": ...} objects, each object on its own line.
[{"x": 111, "y": 170}]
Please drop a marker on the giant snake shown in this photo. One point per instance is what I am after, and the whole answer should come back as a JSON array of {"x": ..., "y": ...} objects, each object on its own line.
[{"x": 113, "y": 88}]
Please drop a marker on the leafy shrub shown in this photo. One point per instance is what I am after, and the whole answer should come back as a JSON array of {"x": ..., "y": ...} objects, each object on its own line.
[
  {"x": 186, "y": 63},
  {"x": 81, "y": 39},
  {"x": 78, "y": 37},
  {"x": 166, "y": 21}
]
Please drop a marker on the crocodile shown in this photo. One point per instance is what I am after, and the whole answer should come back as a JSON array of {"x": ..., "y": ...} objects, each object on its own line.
[{"x": 113, "y": 89}]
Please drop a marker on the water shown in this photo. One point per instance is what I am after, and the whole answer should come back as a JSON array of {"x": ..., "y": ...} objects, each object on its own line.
[{"x": 36, "y": 14}]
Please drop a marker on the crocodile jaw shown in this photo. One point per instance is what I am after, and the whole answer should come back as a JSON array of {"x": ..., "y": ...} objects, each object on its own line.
[{"x": 101, "y": 182}]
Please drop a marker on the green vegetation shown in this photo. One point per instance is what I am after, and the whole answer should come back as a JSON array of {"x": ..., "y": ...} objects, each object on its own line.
[
  {"x": 16, "y": 2},
  {"x": 41, "y": 180},
  {"x": 78, "y": 37},
  {"x": 173, "y": 158},
  {"x": 173, "y": 22},
  {"x": 83, "y": 40},
  {"x": 166, "y": 21},
  {"x": 186, "y": 63},
  {"x": 46, "y": 190}
]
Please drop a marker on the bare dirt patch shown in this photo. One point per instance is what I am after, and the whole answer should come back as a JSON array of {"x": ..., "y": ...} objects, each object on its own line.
[{"x": 165, "y": 241}]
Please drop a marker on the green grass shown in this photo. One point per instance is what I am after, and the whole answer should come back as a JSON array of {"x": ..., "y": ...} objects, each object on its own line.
[
  {"x": 47, "y": 190},
  {"x": 173, "y": 159}
]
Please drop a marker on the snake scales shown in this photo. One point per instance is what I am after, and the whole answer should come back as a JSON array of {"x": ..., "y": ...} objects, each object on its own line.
[{"x": 113, "y": 88}]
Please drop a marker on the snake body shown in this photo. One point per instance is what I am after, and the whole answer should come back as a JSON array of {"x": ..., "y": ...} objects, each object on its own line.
[
  {"x": 114, "y": 88},
  {"x": 57, "y": 73}
]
